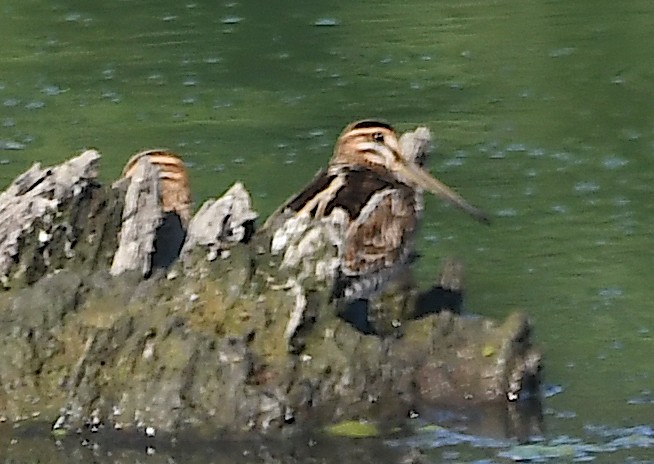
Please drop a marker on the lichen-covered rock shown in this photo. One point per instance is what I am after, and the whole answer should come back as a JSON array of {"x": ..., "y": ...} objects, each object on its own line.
[
  {"x": 220, "y": 224},
  {"x": 142, "y": 217},
  {"x": 54, "y": 218},
  {"x": 235, "y": 336}
]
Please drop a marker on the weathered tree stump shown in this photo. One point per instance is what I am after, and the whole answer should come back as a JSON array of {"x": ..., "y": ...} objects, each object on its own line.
[{"x": 230, "y": 336}]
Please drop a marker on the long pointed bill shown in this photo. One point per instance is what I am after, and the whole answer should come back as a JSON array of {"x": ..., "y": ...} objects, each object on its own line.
[{"x": 425, "y": 181}]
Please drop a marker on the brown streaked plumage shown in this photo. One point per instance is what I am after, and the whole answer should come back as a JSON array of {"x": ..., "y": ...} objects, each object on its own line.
[
  {"x": 380, "y": 191},
  {"x": 174, "y": 191}
]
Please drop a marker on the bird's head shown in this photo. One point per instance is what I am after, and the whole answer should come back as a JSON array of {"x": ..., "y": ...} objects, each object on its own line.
[{"x": 375, "y": 145}]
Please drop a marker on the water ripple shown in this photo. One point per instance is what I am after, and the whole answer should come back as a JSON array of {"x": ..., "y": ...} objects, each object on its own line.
[
  {"x": 11, "y": 145},
  {"x": 35, "y": 105},
  {"x": 507, "y": 212},
  {"x": 610, "y": 293},
  {"x": 550, "y": 390},
  {"x": 614, "y": 162},
  {"x": 645, "y": 397},
  {"x": 326, "y": 22},
  {"x": 586, "y": 187},
  {"x": 52, "y": 90},
  {"x": 232, "y": 19},
  {"x": 559, "y": 52}
]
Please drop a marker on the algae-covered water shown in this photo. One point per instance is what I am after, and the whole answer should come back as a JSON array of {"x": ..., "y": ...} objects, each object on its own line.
[{"x": 543, "y": 115}]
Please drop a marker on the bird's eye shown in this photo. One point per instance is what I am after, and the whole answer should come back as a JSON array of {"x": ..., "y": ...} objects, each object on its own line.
[{"x": 378, "y": 137}]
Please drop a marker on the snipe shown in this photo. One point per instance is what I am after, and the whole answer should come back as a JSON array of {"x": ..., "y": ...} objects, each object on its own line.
[
  {"x": 379, "y": 190},
  {"x": 174, "y": 190}
]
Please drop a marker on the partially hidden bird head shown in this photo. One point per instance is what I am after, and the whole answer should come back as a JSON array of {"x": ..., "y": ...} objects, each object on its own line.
[{"x": 375, "y": 145}]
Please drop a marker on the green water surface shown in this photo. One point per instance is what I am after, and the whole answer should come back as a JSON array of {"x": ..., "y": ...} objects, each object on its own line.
[{"x": 542, "y": 112}]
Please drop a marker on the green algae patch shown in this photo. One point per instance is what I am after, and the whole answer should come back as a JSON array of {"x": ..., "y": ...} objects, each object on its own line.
[
  {"x": 353, "y": 429},
  {"x": 488, "y": 351},
  {"x": 430, "y": 428}
]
